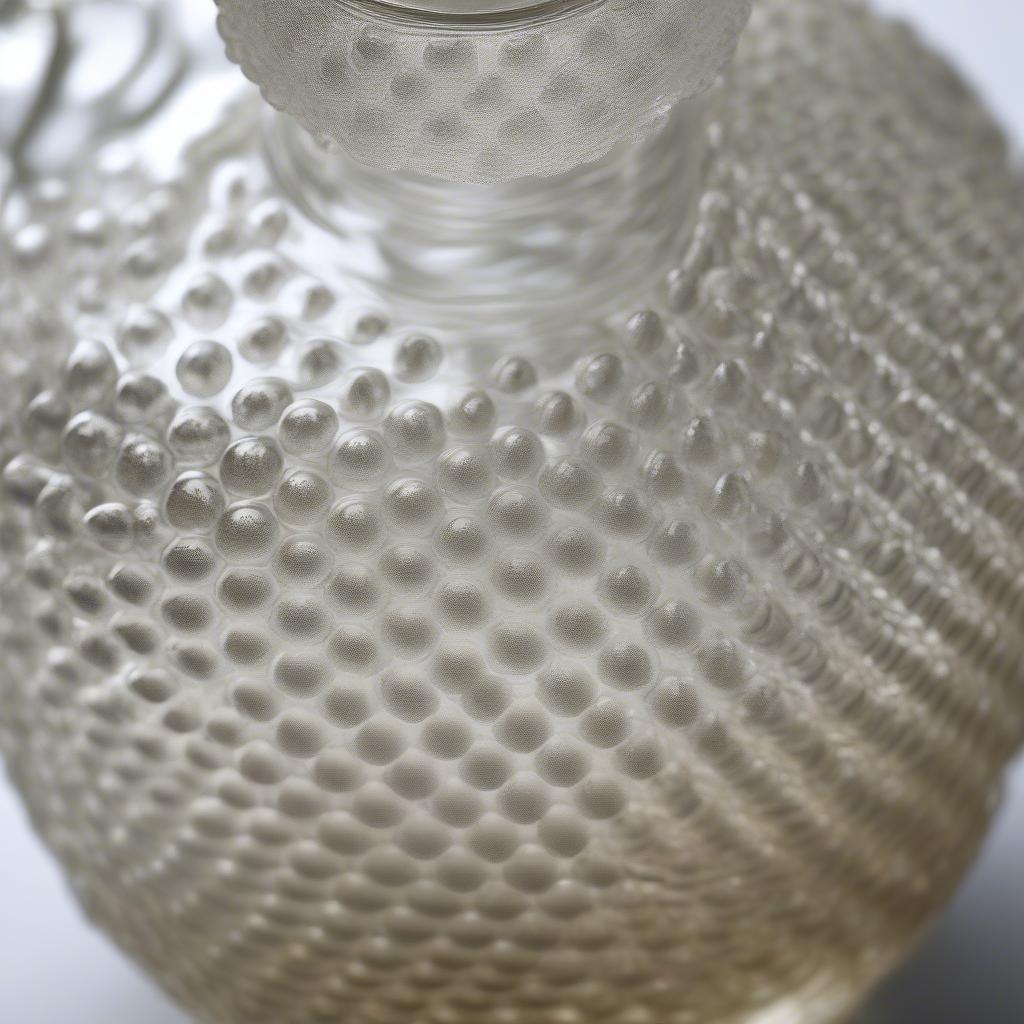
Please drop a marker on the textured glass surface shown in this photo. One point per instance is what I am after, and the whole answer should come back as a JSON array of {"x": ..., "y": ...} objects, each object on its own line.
[
  {"x": 647, "y": 657},
  {"x": 486, "y": 101}
]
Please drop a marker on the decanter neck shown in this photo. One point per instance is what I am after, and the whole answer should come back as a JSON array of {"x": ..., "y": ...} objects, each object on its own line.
[{"x": 540, "y": 252}]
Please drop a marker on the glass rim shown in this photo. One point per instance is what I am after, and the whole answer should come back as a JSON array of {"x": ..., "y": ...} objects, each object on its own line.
[{"x": 468, "y": 13}]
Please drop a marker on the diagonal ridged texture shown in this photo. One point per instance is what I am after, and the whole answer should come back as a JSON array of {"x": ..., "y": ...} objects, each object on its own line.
[{"x": 663, "y": 679}]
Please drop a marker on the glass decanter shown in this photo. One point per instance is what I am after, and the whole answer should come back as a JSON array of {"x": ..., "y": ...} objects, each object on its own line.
[{"x": 530, "y": 532}]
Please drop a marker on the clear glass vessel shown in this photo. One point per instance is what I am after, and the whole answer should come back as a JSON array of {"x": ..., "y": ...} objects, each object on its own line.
[{"x": 528, "y": 531}]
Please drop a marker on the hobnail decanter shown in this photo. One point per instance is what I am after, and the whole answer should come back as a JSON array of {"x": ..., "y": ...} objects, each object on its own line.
[{"x": 530, "y": 532}]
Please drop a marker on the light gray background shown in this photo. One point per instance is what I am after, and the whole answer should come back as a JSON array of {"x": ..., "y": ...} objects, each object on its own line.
[{"x": 55, "y": 970}]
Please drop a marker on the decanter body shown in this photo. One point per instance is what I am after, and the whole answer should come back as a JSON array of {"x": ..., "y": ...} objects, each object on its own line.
[{"x": 460, "y": 570}]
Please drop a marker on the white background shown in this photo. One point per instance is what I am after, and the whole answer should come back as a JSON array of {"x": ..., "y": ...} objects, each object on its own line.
[{"x": 55, "y": 970}]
